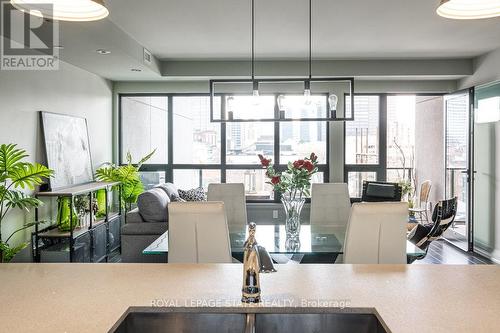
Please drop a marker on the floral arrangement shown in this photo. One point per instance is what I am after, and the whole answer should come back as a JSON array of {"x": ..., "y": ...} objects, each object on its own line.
[{"x": 295, "y": 181}]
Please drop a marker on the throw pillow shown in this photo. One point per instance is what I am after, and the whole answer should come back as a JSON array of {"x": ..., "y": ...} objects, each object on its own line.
[{"x": 195, "y": 194}]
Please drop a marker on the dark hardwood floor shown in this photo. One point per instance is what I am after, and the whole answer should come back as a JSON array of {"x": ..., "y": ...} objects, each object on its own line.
[{"x": 442, "y": 252}]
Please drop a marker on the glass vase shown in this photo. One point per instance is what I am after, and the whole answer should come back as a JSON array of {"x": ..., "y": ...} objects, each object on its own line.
[
  {"x": 293, "y": 206},
  {"x": 64, "y": 214},
  {"x": 292, "y": 244},
  {"x": 101, "y": 203}
]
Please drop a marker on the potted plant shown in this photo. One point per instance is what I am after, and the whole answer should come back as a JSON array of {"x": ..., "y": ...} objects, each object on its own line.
[
  {"x": 294, "y": 185},
  {"x": 17, "y": 175},
  {"x": 127, "y": 175},
  {"x": 84, "y": 209}
]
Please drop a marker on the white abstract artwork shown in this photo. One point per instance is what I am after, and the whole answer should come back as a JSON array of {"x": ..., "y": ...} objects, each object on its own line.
[{"x": 67, "y": 148}]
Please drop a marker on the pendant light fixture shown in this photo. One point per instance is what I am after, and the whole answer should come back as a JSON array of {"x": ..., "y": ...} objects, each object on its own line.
[
  {"x": 469, "y": 9},
  {"x": 64, "y": 10},
  {"x": 255, "y": 84},
  {"x": 226, "y": 112},
  {"x": 307, "y": 83}
]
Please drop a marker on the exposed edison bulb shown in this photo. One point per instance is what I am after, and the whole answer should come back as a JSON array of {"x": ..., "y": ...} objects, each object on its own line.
[
  {"x": 307, "y": 97},
  {"x": 332, "y": 102},
  {"x": 332, "y": 105},
  {"x": 307, "y": 92},
  {"x": 281, "y": 102},
  {"x": 230, "y": 107},
  {"x": 255, "y": 93},
  {"x": 255, "y": 97},
  {"x": 230, "y": 103}
]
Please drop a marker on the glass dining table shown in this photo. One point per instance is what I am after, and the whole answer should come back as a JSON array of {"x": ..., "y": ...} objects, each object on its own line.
[{"x": 315, "y": 244}]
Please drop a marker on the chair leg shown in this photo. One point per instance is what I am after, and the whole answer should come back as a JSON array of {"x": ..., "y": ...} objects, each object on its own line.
[
  {"x": 421, "y": 220},
  {"x": 426, "y": 216}
]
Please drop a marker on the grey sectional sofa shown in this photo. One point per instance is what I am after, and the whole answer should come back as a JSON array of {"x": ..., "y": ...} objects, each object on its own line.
[{"x": 146, "y": 223}]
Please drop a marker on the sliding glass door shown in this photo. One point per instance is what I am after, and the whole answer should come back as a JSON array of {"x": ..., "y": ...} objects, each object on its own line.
[
  {"x": 486, "y": 169},
  {"x": 457, "y": 165}
]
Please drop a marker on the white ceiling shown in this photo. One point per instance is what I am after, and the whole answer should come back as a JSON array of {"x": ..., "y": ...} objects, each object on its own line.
[
  {"x": 365, "y": 32},
  {"x": 345, "y": 29}
]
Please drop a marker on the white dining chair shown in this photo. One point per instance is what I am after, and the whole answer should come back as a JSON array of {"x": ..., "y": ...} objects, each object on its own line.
[
  {"x": 421, "y": 207},
  {"x": 198, "y": 233},
  {"x": 233, "y": 196},
  {"x": 330, "y": 204},
  {"x": 376, "y": 233}
]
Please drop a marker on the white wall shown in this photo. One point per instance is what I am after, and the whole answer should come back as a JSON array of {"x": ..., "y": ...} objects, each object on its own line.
[
  {"x": 69, "y": 90},
  {"x": 486, "y": 69},
  {"x": 429, "y": 144}
]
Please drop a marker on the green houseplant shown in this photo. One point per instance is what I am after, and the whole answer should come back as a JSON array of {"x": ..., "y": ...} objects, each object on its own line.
[
  {"x": 84, "y": 209},
  {"x": 127, "y": 175},
  {"x": 17, "y": 175}
]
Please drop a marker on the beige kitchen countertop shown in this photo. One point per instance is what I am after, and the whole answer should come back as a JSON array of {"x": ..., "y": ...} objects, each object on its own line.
[{"x": 92, "y": 297}]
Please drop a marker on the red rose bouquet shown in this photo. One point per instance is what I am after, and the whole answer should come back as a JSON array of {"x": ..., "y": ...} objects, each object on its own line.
[{"x": 295, "y": 181}]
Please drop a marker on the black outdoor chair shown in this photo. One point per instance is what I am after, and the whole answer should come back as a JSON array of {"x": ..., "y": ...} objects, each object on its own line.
[
  {"x": 380, "y": 191},
  {"x": 442, "y": 217}
]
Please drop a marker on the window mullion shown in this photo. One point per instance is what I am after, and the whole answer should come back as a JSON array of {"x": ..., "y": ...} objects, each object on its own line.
[
  {"x": 120, "y": 135},
  {"x": 277, "y": 124},
  {"x": 276, "y": 132},
  {"x": 169, "y": 172},
  {"x": 382, "y": 172},
  {"x": 223, "y": 141}
]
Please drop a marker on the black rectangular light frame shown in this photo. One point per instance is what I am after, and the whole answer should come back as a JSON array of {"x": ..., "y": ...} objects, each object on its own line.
[{"x": 279, "y": 119}]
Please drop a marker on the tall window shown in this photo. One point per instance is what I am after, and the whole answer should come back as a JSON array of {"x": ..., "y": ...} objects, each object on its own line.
[
  {"x": 245, "y": 140},
  {"x": 256, "y": 187},
  {"x": 297, "y": 139},
  {"x": 400, "y": 138},
  {"x": 196, "y": 152},
  {"x": 195, "y": 139},
  {"x": 362, "y": 134},
  {"x": 144, "y": 127},
  {"x": 380, "y": 142},
  {"x": 362, "y": 143}
]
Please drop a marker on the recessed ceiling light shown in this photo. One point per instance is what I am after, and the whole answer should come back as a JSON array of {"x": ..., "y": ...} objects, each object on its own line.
[
  {"x": 64, "y": 10},
  {"x": 136, "y": 70},
  {"x": 469, "y": 9},
  {"x": 103, "y": 51}
]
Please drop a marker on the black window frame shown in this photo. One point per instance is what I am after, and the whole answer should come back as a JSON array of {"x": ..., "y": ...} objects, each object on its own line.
[
  {"x": 169, "y": 167},
  {"x": 380, "y": 168}
]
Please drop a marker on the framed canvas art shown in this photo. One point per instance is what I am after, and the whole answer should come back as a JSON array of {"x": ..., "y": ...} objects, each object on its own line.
[{"x": 67, "y": 149}]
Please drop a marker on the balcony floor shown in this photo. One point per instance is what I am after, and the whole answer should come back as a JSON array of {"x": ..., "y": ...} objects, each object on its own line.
[{"x": 442, "y": 252}]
